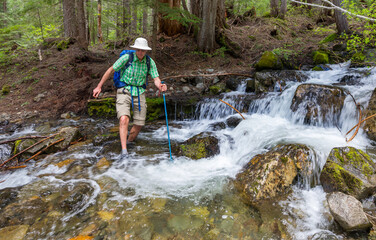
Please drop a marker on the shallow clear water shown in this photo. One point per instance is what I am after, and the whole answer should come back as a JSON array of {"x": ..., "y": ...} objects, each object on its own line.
[{"x": 187, "y": 183}]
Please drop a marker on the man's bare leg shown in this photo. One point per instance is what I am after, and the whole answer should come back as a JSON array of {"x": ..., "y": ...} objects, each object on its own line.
[
  {"x": 135, "y": 130},
  {"x": 123, "y": 131}
]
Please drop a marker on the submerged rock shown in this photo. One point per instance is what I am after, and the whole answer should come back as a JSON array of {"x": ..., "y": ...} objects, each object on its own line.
[
  {"x": 202, "y": 145},
  {"x": 349, "y": 170},
  {"x": 17, "y": 232},
  {"x": 318, "y": 104},
  {"x": 370, "y": 125},
  {"x": 348, "y": 212},
  {"x": 270, "y": 175}
]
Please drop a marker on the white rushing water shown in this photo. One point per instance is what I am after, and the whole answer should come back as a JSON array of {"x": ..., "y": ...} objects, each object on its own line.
[{"x": 269, "y": 122}]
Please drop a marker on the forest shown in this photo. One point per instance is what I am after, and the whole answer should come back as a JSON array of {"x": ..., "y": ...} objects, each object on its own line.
[{"x": 267, "y": 128}]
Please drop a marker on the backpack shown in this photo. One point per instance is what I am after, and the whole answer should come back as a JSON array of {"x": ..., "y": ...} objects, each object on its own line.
[{"x": 118, "y": 74}]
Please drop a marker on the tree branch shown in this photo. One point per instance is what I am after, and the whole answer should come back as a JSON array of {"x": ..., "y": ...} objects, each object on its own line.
[{"x": 334, "y": 7}]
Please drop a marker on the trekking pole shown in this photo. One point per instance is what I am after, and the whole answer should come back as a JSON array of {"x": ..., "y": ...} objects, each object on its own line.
[{"x": 168, "y": 131}]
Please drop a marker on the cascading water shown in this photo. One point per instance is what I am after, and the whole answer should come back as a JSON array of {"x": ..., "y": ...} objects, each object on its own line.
[{"x": 198, "y": 188}]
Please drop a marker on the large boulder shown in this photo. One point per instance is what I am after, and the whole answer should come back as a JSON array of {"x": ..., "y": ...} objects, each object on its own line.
[
  {"x": 370, "y": 125},
  {"x": 199, "y": 146},
  {"x": 270, "y": 175},
  {"x": 349, "y": 170},
  {"x": 348, "y": 212},
  {"x": 318, "y": 104}
]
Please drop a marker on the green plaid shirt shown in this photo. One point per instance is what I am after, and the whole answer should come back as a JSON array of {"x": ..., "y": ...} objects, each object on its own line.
[{"x": 136, "y": 73}]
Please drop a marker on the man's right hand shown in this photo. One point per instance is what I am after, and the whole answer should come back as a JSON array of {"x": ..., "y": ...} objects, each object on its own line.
[{"x": 97, "y": 91}]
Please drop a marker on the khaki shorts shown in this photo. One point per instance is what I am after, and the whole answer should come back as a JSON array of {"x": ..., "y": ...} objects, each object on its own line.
[{"x": 124, "y": 105}]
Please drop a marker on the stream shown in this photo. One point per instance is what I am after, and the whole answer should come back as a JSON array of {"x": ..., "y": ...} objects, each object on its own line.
[{"x": 68, "y": 194}]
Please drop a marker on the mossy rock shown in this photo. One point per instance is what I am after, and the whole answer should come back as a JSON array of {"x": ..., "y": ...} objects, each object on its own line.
[
  {"x": 5, "y": 89},
  {"x": 217, "y": 88},
  {"x": 269, "y": 60},
  {"x": 105, "y": 107},
  {"x": 349, "y": 170},
  {"x": 199, "y": 146},
  {"x": 320, "y": 57}
]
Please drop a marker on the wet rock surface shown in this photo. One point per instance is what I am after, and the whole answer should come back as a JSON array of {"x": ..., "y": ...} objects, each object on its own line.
[
  {"x": 349, "y": 170},
  {"x": 271, "y": 175},
  {"x": 370, "y": 125},
  {"x": 319, "y": 104},
  {"x": 348, "y": 212},
  {"x": 202, "y": 145}
]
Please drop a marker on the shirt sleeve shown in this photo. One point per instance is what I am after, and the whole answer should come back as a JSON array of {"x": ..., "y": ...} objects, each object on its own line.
[
  {"x": 120, "y": 63},
  {"x": 153, "y": 69}
]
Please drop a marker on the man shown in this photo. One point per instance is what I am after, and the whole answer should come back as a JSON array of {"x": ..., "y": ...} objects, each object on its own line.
[{"x": 133, "y": 94}]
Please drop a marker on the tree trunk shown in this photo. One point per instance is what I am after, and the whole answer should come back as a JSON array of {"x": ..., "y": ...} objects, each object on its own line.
[
  {"x": 283, "y": 11},
  {"x": 3, "y": 21},
  {"x": 118, "y": 20},
  {"x": 70, "y": 22},
  {"x": 167, "y": 26},
  {"x": 100, "y": 35},
  {"x": 126, "y": 17},
  {"x": 341, "y": 20},
  {"x": 274, "y": 8},
  {"x": 155, "y": 30},
  {"x": 145, "y": 22},
  {"x": 134, "y": 20},
  {"x": 206, "y": 35},
  {"x": 81, "y": 25},
  {"x": 93, "y": 24},
  {"x": 221, "y": 15}
]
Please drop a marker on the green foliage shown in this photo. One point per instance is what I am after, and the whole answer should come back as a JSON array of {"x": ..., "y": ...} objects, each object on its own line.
[
  {"x": 239, "y": 7},
  {"x": 329, "y": 38},
  {"x": 180, "y": 15},
  {"x": 364, "y": 35},
  {"x": 218, "y": 52},
  {"x": 284, "y": 53}
]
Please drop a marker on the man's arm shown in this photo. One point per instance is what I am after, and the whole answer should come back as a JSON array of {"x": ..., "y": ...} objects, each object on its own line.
[
  {"x": 157, "y": 82},
  {"x": 106, "y": 76}
]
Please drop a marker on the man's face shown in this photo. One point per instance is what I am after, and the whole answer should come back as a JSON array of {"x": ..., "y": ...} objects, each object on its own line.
[{"x": 140, "y": 53}]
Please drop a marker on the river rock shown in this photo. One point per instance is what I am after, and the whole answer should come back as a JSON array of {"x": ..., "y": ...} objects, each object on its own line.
[
  {"x": 349, "y": 170},
  {"x": 370, "y": 125},
  {"x": 17, "y": 232},
  {"x": 318, "y": 104},
  {"x": 348, "y": 212},
  {"x": 25, "y": 211},
  {"x": 233, "y": 122},
  {"x": 270, "y": 175},
  {"x": 69, "y": 134},
  {"x": 269, "y": 79},
  {"x": 199, "y": 146}
]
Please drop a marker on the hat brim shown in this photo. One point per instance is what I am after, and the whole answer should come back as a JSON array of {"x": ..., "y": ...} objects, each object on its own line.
[{"x": 141, "y": 48}]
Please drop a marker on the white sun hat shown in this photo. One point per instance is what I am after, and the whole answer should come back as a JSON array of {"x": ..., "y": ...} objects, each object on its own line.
[{"x": 141, "y": 43}]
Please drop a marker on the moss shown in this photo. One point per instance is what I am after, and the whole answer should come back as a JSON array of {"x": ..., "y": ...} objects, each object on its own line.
[
  {"x": 218, "y": 88},
  {"x": 194, "y": 151},
  {"x": 357, "y": 159},
  {"x": 16, "y": 145},
  {"x": 155, "y": 107},
  {"x": 103, "y": 108},
  {"x": 329, "y": 38},
  {"x": 284, "y": 159},
  {"x": 320, "y": 57},
  {"x": 63, "y": 44},
  {"x": 5, "y": 89},
  {"x": 269, "y": 60}
]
